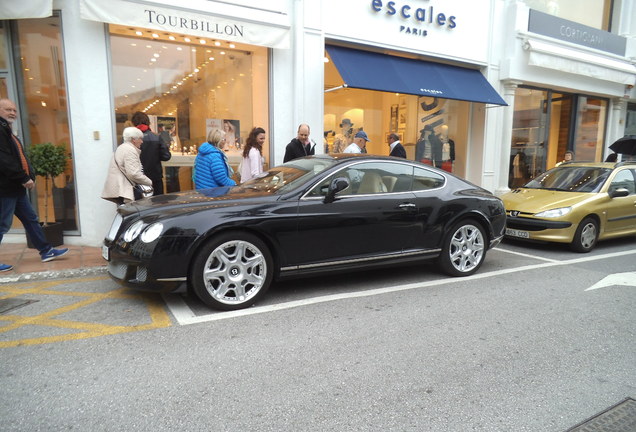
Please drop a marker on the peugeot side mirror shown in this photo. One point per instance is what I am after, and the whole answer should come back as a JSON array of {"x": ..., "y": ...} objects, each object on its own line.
[{"x": 620, "y": 192}]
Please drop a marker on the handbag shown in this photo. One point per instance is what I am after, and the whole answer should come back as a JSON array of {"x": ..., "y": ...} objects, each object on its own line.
[
  {"x": 142, "y": 191},
  {"x": 139, "y": 190}
]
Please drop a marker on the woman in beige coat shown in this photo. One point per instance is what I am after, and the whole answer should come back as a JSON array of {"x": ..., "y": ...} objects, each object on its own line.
[{"x": 117, "y": 187}]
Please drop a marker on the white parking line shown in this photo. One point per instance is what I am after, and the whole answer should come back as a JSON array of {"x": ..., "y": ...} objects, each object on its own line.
[
  {"x": 184, "y": 315},
  {"x": 526, "y": 255}
]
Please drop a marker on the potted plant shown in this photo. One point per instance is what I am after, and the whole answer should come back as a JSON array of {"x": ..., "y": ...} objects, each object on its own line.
[{"x": 49, "y": 161}]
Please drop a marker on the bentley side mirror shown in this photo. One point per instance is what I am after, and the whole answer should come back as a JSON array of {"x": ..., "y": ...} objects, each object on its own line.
[{"x": 337, "y": 185}]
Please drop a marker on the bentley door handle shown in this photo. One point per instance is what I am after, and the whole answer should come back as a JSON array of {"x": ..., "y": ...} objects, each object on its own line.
[{"x": 407, "y": 206}]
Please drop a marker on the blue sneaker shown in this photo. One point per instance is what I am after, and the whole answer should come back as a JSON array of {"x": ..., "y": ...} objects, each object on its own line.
[
  {"x": 52, "y": 254},
  {"x": 5, "y": 267}
]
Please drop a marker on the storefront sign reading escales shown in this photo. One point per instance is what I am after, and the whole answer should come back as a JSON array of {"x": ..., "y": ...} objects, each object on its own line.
[
  {"x": 190, "y": 24},
  {"x": 411, "y": 16}
]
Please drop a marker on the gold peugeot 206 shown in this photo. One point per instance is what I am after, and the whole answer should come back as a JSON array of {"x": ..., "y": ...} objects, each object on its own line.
[{"x": 577, "y": 203}]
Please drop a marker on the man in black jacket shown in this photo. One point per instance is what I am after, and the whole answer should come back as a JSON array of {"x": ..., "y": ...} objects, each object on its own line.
[
  {"x": 16, "y": 176},
  {"x": 153, "y": 151},
  {"x": 300, "y": 146},
  {"x": 396, "y": 147}
]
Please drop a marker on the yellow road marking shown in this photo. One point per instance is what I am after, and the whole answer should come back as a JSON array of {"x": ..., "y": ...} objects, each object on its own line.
[{"x": 158, "y": 315}]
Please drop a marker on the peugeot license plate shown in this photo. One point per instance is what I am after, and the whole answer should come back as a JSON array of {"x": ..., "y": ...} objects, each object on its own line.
[
  {"x": 517, "y": 233},
  {"x": 105, "y": 252}
]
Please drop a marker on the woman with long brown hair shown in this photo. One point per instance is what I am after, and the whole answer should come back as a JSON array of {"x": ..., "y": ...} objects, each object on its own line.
[{"x": 252, "y": 164}]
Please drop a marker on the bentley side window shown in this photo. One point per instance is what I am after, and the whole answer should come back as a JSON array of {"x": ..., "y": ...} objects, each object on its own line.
[
  {"x": 424, "y": 179},
  {"x": 370, "y": 178}
]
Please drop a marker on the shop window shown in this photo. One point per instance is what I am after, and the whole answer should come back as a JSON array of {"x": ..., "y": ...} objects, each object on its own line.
[
  {"x": 590, "y": 128},
  {"x": 188, "y": 86},
  {"x": 4, "y": 62},
  {"x": 593, "y": 13},
  {"x": 432, "y": 130},
  {"x": 44, "y": 109},
  {"x": 630, "y": 119},
  {"x": 527, "y": 154},
  {"x": 546, "y": 124}
]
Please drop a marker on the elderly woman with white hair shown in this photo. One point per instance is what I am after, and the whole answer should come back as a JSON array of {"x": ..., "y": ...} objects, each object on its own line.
[{"x": 125, "y": 169}]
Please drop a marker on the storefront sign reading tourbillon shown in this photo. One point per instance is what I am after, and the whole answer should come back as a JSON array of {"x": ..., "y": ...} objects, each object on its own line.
[
  {"x": 412, "y": 18},
  {"x": 184, "y": 24},
  {"x": 205, "y": 19}
]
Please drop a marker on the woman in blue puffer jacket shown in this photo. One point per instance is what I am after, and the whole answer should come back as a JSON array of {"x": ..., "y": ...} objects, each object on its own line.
[{"x": 211, "y": 168}]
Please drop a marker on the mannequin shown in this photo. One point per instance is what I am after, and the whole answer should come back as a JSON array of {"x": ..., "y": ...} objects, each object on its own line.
[
  {"x": 448, "y": 149},
  {"x": 345, "y": 137},
  {"x": 428, "y": 149}
]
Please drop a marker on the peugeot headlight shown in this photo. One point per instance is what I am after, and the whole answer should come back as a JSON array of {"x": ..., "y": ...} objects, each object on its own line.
[
  {"x": 554, "y": 213},
  {"x": 133, "y": 231},
  {"x": 151, "y": 233}
]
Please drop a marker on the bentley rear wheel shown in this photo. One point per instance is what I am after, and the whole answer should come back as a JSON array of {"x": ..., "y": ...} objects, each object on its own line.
[{"x": 464, "y": 249}]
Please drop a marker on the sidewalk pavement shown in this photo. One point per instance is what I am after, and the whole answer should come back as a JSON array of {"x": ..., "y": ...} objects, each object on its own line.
[{"x": 27, "y": 265}]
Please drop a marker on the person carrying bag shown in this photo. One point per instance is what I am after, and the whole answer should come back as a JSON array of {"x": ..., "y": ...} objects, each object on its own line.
[{"x": 127, "y": 182}]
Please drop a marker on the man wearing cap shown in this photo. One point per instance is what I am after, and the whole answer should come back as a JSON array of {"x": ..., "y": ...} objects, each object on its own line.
[
  {"x": 359, "y": 143},
  {"x": 343, "y": 139},
  {"x": 300, "y": 146}
]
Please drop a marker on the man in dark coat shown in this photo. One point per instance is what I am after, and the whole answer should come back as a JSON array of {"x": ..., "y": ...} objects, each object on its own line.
[
  {"x": 153, "y": 152},
  {"x": 300, "y": 146},
  {"x": 16, "y": 177},
  {"x": 397, "y": 149}
]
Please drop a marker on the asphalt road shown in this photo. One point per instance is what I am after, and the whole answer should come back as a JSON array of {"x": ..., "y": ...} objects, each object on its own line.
[{"x": 524, "y": 345}]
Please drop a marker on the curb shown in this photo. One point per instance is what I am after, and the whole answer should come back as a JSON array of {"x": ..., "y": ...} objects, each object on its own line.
[{"x": 55, "y": 274}]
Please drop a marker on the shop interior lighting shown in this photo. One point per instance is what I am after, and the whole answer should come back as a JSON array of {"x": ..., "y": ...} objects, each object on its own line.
[{"x": 153, "y": 61}]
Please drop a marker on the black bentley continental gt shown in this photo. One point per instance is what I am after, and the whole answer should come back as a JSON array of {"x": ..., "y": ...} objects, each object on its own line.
[{"x": 308, "y": 216}]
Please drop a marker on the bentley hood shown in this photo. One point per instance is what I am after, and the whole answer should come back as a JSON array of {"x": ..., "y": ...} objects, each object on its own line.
[{"x": 225, "y": 196}]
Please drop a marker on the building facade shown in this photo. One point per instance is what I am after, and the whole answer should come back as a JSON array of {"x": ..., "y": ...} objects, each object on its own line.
[{"x": 493, "y": 91}]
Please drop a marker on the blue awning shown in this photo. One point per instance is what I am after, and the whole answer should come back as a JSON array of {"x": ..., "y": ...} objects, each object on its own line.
[{"x": 382, "y": 72}]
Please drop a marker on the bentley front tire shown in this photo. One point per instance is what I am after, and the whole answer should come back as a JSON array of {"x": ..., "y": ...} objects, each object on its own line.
[{"x": 232, "y": 271}]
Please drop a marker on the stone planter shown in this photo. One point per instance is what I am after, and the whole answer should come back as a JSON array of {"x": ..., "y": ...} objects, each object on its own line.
[{"x": 54, "y": 233}]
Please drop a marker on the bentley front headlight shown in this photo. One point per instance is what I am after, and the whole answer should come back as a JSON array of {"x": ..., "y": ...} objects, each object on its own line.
[
  {"x": 133, "y": 231},
  {"x": 151, "y": 233},
  {"x": 554, "y": 213}
]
